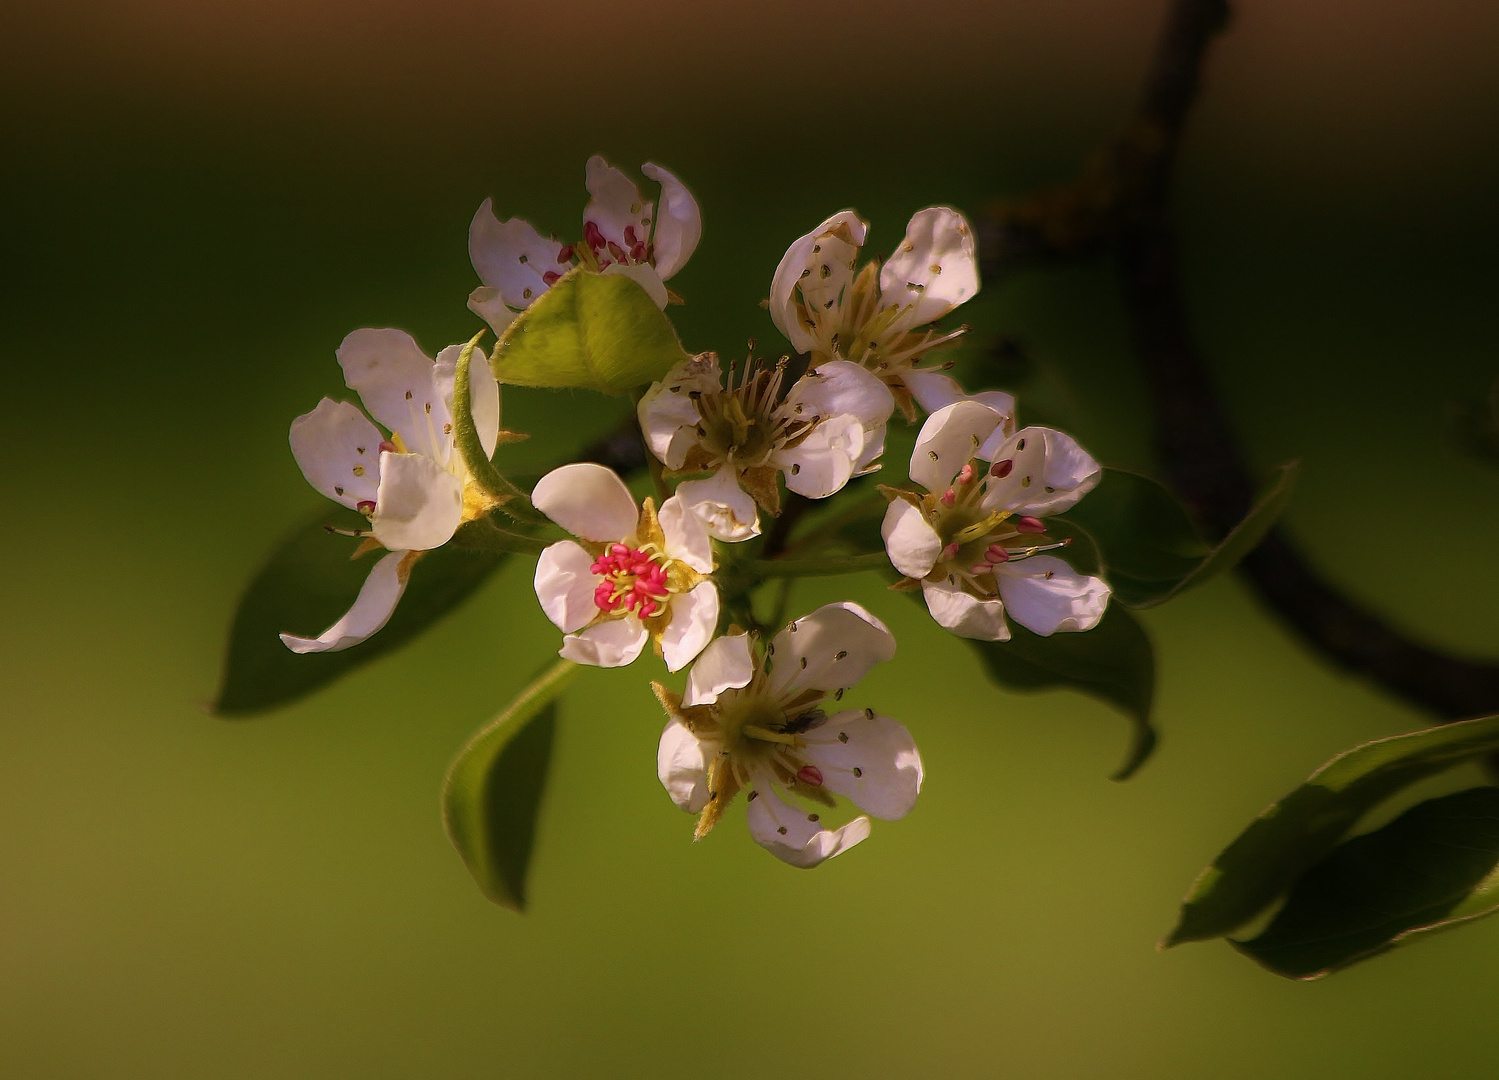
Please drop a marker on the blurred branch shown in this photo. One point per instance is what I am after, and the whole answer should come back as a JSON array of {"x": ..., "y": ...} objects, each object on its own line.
[{"x": 1120, "y": 204}]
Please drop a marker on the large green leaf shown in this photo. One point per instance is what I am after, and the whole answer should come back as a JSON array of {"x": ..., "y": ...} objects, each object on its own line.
[
  {"x": 1430, "y": 868},
  {"x": 589, "y": 331},
  {"x": 305, "y": 586},
  {"x": 1150, "y": 549},
  {"x": 1113, "y": 662},
  {"x": 1299, "y": 830},
  {"x": 492, "y": 796}
]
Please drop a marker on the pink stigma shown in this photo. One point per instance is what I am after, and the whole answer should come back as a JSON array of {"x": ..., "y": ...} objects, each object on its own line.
[
  {"x": 810, "y": 774},
  {"x": 630, "y": 235},
  {"x": 366, "y": 506},
  {"x": 996, "y": 554},
  {"x": 387, "y": 447},
  {"x": 550, "y": 277},
  {"x": 1030, "y": 525},
  {"x": 949, "y": 497},
  {"x": 632, "y": 581},
  {"x": 950, "y": 551},
  {"x": 566, "y": 254},
  {"x": 1001, "y": 469},
  {"x": 592, "y": 237},
  {"x": 965, "y": 474}
]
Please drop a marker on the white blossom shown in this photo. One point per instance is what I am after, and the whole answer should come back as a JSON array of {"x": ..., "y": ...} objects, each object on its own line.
[
  {"x": 622, "y": 234},
  {"x": 829, "y": 428},
  {"x": 975, "y": 540},
  {"x": 759, "y": 725},
  {"x": 632, "y": 575},
  {"x": 879, "y": 316},
  {"x": 411, "y": 483}
]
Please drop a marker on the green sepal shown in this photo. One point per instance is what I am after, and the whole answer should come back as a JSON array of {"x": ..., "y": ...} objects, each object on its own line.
[
  {"x": 589, "y": 331},
  {"x": 306, "y": 585},
  {"x": 1295, "y": 833},
  {"x": 491, "y": 799},
  {"x": 1150, "y": 548},
  {"x": 511, "y": 499},
  {"x": 1430, "y": 869}
]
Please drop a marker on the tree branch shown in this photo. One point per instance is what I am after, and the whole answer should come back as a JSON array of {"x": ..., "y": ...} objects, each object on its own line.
[{"x": 1121, "y": 202}]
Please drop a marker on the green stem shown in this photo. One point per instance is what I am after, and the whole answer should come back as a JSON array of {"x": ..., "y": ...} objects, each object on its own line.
[
  {"x": 484, "y": 535},
  {"x": 513, "y": 500},
  {"x": 819, "y": 567}
]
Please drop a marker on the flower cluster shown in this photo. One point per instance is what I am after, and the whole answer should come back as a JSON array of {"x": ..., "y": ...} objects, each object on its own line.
[{"x": 732, "y": 448}]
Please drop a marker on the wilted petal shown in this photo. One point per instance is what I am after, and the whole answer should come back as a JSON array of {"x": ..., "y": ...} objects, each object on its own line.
[
  {"x": 830, "y": 649},
  {"x": 679, "y": 223},
  {"x": 644, "y": 275},
  {"x": 483, "y": 392},
  {"x": 1048, "y": 473},
  {"x": 950, "y": 437},
  {"x": 611, "y": 643},
  {"x": 868, "y": 758},
  {"x": 935, "y": 268},
  {"x": 419, "y": 504},
  {"x": 564, "y": 586},
  {"x": 686, "y": 535},
  {"x": 372, "y": 609},
  {"x": 338, "y": 450},
  {"x": 910, "y": 541},
  {"x": 963, "y": 614},
  {"x": 727, "y": 663},
  {"x": 587, "y": 500},
  {"x": 792, "y": 835},
  {"x": 803, "y": 261},
  {"x": 694, "y": 617},
  {"x": 398, "y": 385},
  {"x": 512, "y": 258},
  {"x": 615, "y": 208},
  {"x": 682, "y": 765},
  {"x": 1045, "y": 595},
  {"x": 824, "y": 461},
  {"x": 722, "y": 505}
]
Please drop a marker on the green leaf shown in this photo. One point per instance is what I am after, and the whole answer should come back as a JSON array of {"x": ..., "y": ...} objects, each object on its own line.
[
  {"x": 305, "y": 586},
  {"x": 1296, "y": 832},
  {"x": 1429, "y": 869},
  {"x": 589, "y": 331},
  {"x": 492, "y": 795},
  {"x": 1113, "y": 662},
  {"x": 1151, "y": 550}
]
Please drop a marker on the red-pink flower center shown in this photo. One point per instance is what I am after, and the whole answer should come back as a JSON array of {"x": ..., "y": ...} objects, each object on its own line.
[
  {"x": 633, "y": 580},
  {"x": 635, "y": 249}
]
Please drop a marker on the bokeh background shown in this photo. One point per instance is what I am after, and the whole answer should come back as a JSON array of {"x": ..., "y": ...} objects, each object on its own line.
[{"x": 198, "y": 200}]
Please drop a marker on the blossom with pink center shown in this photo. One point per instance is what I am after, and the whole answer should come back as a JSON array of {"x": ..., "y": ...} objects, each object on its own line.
[
  {"x": 976, "y": 541},
  {"x": 622, "y": 234},
  {"x": 634, "y": 574}
]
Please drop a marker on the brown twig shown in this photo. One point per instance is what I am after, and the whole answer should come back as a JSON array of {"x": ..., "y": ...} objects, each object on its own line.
[{"x": 1121, "y": 202}]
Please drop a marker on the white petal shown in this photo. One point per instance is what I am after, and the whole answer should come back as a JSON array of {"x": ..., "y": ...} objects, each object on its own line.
[
  {"x": 483, "y": 392},
  {"x": 934, "y": 390},
  {"x": 801, "y": 263},
  {"x": 682, "y": 765},
  {"x": 511, "y": 257},
  {"x": 564, "y": 586},
  {"x": 668, "y": 414},
  {"x": 419, "y": 505},
  {"x": 588, "y": 500},
  {"x": 644, "y": 275},
  {"x": 791, "y": 836},
  {"x": 694, "y": 617},
  {"x": 686, "y": 535},
  {"x": 963, "y": 614},
  {"x": 722, "y": 505},
  {"x": 727, "y": 663},
  {"x": 679, "y": 223},
  {"x": 869, "y": 759},
  {"x": 934, "y": 270},
  {"x": 615, "y": 208},
  {"x": 824, "y": 461},
  {"x": 398, "y": 385},
  {"x": 910, "y": 541},
  {"x": 830, "y": 649},
  {"x": 338, "y": 450},
  {"x": 950, "y": 437},
  {"x": 839, "y": 386},
  {"x": 1045, "y": 595},
  {"x": 372, "y": 609},
  {"x": 1049, "y": 473},
  {"x": 487, "y": 303},
  {"x": 611, "y": 643}
]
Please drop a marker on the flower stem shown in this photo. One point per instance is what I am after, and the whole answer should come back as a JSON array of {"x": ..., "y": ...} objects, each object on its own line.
[
  {"x": 512, "y": 500},
  {"x": 819, "y": 567}
]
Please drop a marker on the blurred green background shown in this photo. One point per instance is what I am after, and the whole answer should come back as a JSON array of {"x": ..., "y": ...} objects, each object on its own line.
[{"x": 199, "y": 200}]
